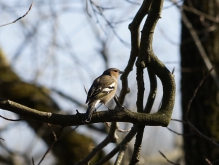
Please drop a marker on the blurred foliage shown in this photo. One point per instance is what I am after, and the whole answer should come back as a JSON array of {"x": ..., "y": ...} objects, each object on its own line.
[{"x": 69, "y": 149}]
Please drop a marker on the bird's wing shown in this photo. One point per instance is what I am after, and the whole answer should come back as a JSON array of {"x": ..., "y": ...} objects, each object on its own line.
[{"x": 101, "y": 87}]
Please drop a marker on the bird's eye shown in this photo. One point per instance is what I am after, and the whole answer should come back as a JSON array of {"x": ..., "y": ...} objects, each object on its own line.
[{"x": 115, "y": 70}]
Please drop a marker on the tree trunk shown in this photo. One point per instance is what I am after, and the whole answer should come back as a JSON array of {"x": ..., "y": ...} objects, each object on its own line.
[{"x": 204, "y": 110}]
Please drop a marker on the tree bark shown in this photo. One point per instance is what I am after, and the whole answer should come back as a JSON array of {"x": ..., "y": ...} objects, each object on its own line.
[{"x": 204, "y": 110}]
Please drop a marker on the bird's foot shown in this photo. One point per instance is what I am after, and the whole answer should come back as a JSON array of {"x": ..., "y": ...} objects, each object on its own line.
[
  {"x": 122, "y": 107},
  {"x": 86, "y": 120}
]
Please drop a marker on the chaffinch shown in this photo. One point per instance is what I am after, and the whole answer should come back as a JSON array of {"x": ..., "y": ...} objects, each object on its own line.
[{"x": 102, "y": 90}]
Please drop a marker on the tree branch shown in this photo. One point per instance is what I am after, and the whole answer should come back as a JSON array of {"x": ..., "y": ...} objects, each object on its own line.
[
  {"x": 111, "y": 137},
  {"x": 19, "y": 17},
  {"x": 117, "y": 115},
  {"x": 134, "y": 30},
  {"x": 149, "y": 59},
  {"x": 121, "y": 146}
]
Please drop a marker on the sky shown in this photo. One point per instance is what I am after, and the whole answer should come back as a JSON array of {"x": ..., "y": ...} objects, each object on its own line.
[{"x": 57, "y": 45}]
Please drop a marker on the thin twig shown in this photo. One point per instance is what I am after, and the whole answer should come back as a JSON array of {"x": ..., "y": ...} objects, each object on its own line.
[
  {"x": 122, "y": 144},
  {"x": 134, "y": 3},
  {"x": 85, "y": 89},
  {"x": 51, "y": 146},
  {"x": 181, "y": 121},
  {"x": 199, "y": 13},
  {"x": 2, "y": 139},
  {"x": 118, "y": 129},
  {"x": 111, "y": 137},
  {"x": 54, "y": 141},
  {"x": 202, "y": 135},
  {"x": 54, "y": 134},
  {"x": 99, "y": 10},
  {"x": 12, "y": 119},
  {"x": 188, "y": 108},
  {"x": 87, "y": 9},
  {"x": 101, "y": 7},
  {"x": 168, "y": 159},
  {"x": 47, "y": 151},
  {"x": 179, "y": 133},
  {"x": 195, "y": 92},
  {"x": 19, "y": 17},
  {"x": 33, "y": 161}
]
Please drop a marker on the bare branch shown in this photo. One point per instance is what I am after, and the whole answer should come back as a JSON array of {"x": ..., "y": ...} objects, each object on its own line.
[
  {"x": 195, "y": 92},
  {"x": 87, "y": 8},
  {"x": 134, "y": 30},
  {"x": 47, "y": 151},
  {"x": 54, "y": 141},
  {"x": 137, "y": 146},
  {"x": 117, "y": 115},
  {"x": 19, "y": 17},
  {"x": 153, "y": 91},
  {"x": 118, "y": 129},
  {"x": 188, "y": 108},
  {"x": 179, "y": 133},
  {"x": 12, "y": 119},
  {"x": 33, "y": 161},
  {"x": 2, "y": 139},
  {"x": 197, "y": 12},
  {"x": 201, "y": 134},
  {"x": 111, "y": 138},
  {"x": 51, "y": 146},
  {"x": 181, "y": 121},
  {"x": 134, "y": 3},
  {"x": 168, "y": 159},
  {"x": 122, "y": 146}
]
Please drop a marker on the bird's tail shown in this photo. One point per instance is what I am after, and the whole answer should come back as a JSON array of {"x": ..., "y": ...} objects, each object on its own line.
[{"x": 89, "y": 112}]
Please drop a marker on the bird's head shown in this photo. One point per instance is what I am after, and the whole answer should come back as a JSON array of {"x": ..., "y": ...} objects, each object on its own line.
[{"x": 114, "y": 72}]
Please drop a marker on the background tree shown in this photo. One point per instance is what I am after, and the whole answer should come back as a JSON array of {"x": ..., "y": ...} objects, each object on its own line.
[
  {"x": 70, "y": 148},
  {"x": 199, "y": 53}
]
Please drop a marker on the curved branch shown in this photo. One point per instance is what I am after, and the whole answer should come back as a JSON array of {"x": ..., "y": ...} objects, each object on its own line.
[
  {"x": 168, "y": 82},
  {"x": 149, "y": 59}
]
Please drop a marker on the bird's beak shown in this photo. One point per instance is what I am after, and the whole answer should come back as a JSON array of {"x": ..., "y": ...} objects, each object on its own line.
[{"x": 121, "y": 72}]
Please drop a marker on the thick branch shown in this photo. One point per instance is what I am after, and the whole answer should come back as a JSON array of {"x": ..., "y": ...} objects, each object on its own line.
[
  {"x": 134, "y": 29},
  {"x": 153, "y": 91},
  {"x": 149, "y": 59},
  {"x": 117, "y": 115}
]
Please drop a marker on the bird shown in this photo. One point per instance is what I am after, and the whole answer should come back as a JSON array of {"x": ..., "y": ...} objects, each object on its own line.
[{"x": 101, "y": 91}]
